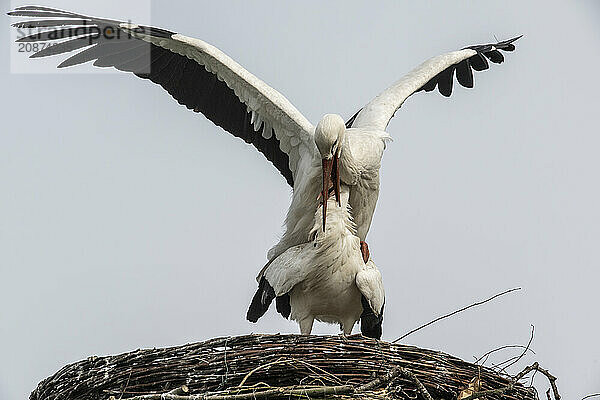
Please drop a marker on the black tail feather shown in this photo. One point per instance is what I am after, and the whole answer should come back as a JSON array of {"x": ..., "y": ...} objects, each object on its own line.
[
  {"x": 261, "y": 301},
  {"x": 283, "y": 305},
  {"x": 370, "y": 324}
]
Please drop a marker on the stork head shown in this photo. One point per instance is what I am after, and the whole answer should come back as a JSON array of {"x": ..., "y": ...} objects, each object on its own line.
[
  {"x": 329, "y": 134},
  {"x": 329, "y": 138}
]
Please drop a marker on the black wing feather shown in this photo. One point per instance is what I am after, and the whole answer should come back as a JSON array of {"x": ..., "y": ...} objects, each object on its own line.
[
  {"x": 351, "y": 120},
  {"x": 464, "y": 73},
  {"x": 51, "y": 23},
  {"x": 65, "y": 47},
  {"x": 282, "y": 304},
  {"x": 261, "y": 301},
  {"x": 59, "y": 34},
  {"x": 370, "y": 324},
  {"x": 445, "y": 80},
  {"x": 479, "y": 62},
  {"x": 187, "y": 81},
  {"x": 464, "y": 69}
]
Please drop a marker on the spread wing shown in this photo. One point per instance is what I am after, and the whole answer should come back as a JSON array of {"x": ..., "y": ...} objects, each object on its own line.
[
  {"x": 198, "y": 75},
  {"x": 436, "y": 72}
]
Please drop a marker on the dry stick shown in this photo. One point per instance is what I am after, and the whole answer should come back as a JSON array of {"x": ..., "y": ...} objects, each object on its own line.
[
  {"x": 532, "y": 378},
  {"x": 420, "y": 387},
  {"x": 508, "y": 346},
  {"x": 390, "y": 376},
  {"x": 508, "y": 387},
  {"x": 182, "y": 390},
  {"x": 126, "y": 384},
  {"x": 500, "y": 364},
  {"x": 321, "y": 391},
  {"x": 309, "y": 366},
  {"x": 456, "y": 312},
  {"x": 591, "y": 395},
  {"x": 552, "y": 380},
  {"x": 179, "y": 391},
  {"x": 271, "y": 393},
  {"x": 286, "y": 361},
  {"x": 533, "y": 367},
  {"x": 524, "y": 351},
  {"x": 259, "y": 368}
]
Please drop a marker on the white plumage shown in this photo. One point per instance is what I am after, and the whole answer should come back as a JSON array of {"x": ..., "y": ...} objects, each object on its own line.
[
  {"x": 325, "y": 278},
  {"x": 204, "y": 79}
]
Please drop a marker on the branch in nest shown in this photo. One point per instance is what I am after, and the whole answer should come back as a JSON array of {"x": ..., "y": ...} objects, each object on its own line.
[
  {"x": 524, "y": 351},
  {"x": 552, "y": 380},
  {"x": 321, "y": 391},
  {"x": 420, "y": 387},
  {"x": 591, "y": 395},
  {"x": 485, "y": 355},
  {"x": 455, "y": 312},
  {"x": 533, "y": 367}
]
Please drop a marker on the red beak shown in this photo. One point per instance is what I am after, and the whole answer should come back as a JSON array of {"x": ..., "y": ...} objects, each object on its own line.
[
  {"x": 335, "y": 176},
  {"x": 331, "y": 179}
]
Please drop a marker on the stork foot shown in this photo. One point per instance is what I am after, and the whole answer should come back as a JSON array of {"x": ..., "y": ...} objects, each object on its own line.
[
  {"x": 364, "y": 249},
  {"x": 344, "y": 335}
]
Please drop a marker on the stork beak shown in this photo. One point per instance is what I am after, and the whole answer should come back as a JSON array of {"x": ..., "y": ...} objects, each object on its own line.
[
  {"x": 331, "y": 177},
  {"x": 327, "y": 167},
  {"x": 335, "y": 175}
]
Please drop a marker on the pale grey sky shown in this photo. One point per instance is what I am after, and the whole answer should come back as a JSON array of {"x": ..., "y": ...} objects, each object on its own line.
[{"x": 118, "y": 231}]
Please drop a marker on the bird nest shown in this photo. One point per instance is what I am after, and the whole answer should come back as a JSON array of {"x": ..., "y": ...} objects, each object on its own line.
[{"x": 282, "y": 366}]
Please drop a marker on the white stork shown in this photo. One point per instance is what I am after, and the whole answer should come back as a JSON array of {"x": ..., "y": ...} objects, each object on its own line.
[
  {"x": 205, "y": 80},
  {"x": 325, "y": 279}
]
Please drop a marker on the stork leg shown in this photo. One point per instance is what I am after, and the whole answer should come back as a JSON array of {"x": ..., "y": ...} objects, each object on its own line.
[
  {"x": 306, "y": 325},
  {"x": 347, "y": 327},
  {"x": 364, "y": 249}
]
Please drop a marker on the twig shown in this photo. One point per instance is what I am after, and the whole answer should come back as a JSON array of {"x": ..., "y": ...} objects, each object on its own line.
[
  {"x": 182, "y": 390},
  {"x": 420, "y": 387},
  {"x": 498, "y": 366},
  {"x": 532, "y": 378},
  {"x": 321, "y": 391},
  {"x": 552, "y": 380},
  {"x": 287, "y": 361},
  {"x": 591, "y": 395},
  {"x": 225, "y": 362},
  {"x": 533, "y": 367},
  {"x": 509, "y": 346},
  {"x": 523, "y": 353},
  {"x": 484, "y": 393},
  {"x": 126, "y": 384},
  {"x": 455, "y": 312},
  {"x": 508, "y": 387},
  {"x": 309, "y": 366},
  {"x": 390, "y": 376},
  {"x": 262, "y": 366}
]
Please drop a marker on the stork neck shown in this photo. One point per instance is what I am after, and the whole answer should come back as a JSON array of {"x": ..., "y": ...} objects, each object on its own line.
[{"x": 339, "y": 221}]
